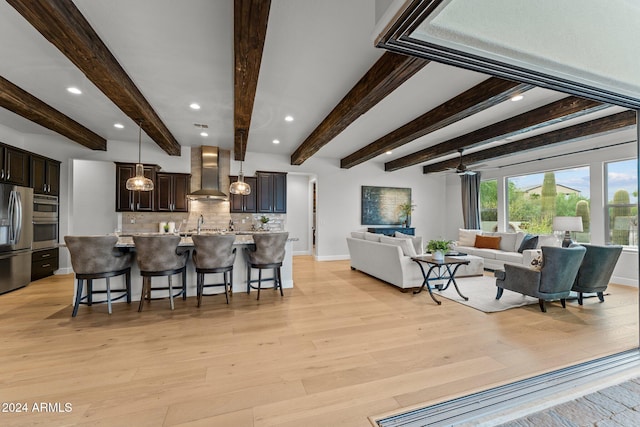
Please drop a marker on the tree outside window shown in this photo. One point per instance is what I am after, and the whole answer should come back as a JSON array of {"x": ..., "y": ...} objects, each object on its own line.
[{"x": 622, "y": 203}]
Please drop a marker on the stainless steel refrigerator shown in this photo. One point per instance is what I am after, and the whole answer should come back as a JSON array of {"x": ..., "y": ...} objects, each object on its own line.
[{"x": 16, "y": 235}]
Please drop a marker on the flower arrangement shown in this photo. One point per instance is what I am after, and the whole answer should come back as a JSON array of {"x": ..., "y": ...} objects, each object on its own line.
[{"x": 405, "y": 212}]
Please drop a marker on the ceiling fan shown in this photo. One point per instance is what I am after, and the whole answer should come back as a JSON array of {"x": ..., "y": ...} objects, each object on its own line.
[{"x": 462, "y": 169}]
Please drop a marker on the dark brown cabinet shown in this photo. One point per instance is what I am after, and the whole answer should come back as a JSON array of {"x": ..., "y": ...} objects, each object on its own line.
[
  {"x": 171, "y": 191},
  {"x": 244, "y": 204},
  {"x": 14, "y": 166},
  {"x": 133, "y": 201},
  {"x": 272, "y": 192},
  {"x": 44, "y": 263},
  {"x": 45, "y": 175}
]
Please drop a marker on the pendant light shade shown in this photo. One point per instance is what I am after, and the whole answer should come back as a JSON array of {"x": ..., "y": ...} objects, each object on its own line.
[
  {"x": 240, "y": 187},
  {"x": 139, "y": 182}
]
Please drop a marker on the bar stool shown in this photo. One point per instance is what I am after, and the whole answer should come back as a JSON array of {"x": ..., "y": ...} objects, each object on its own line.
[
  {"x": 159, "y": 256},
  {"x": 95, "y": 257},
  {"x": 268, "y": 254},
  {"x": 214, "y": 254}
]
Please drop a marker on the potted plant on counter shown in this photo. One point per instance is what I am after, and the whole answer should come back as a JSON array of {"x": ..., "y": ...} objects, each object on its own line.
[
  {"x": 438, "y": 248},
  {"x": 264, "y": 220}
]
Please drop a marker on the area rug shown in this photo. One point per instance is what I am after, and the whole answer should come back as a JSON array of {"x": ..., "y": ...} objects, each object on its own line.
[{"x": 481, "y": 291}]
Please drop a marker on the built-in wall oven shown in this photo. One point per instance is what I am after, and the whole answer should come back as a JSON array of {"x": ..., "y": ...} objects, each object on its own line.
[{"x": 45, "y": 221}]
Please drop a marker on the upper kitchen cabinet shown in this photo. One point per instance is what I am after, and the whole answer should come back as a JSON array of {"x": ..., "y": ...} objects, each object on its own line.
[
  {"x": 45, "y": 175},
  {"x": 130, "y": 201},
  {"x": 171, "y": 191},
  {"x": 243, "y": 204},
  {"x": 14, "y": 166},
  {"x": 272, "y": 192}
]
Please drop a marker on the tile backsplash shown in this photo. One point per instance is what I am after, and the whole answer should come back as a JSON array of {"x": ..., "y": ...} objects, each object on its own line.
[{"x": 215, "y": 213}]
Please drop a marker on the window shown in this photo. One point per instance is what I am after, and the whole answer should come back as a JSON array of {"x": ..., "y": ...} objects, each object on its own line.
[
  {"x": 534, "y": 200},
  {"x": 622, "y": 203},
  {"x": 489, "y": 205}
]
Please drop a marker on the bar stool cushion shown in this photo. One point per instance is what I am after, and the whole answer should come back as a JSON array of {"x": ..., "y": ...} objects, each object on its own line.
[
  {"x": 213, "y": 251},
  {"x": 159, "y": 253},
  {"x": 96, "y": 257},
  {"x": 269, "y": 249}
]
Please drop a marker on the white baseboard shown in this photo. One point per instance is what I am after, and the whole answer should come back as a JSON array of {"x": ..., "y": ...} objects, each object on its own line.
[
  {"x": 302, "y": 253},
  {"x": 67, "y": 270}
]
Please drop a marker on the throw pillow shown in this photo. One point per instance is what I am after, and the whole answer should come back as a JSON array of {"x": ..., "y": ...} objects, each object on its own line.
[
  {"x": 467, "y": 237},
  {"x": 405, "y": 244},
  {"x": 357, "y": 234},
  {"x": 487, "y": 242},
  {"x": 417, "y": 240},
  {"x": 529, "y": 241},
  {"x": 372, "y": 237},
  {"x": 536, "y": 263}
]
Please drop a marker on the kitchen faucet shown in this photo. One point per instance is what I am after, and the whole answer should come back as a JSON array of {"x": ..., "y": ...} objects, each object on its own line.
[{"x": 200, "y": 222}]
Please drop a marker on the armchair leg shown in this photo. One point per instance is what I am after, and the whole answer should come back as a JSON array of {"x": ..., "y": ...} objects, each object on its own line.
[
  {"x": 542, "y": 307},
  {"x": 601, "y": 296},
  {"x": 499, "y": 294},
  {"x": 580, "y": 298},
  {"x": 563, "y": 302}
]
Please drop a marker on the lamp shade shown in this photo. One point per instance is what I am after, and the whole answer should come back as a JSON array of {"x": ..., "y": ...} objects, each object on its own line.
[{"x": 567, "y": 223}]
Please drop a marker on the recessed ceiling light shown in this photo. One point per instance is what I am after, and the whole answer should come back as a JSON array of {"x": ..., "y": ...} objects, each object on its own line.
[
  {"x": 289, "y": 118},
  {"x": 276, "y": 141},
  {"x": 389, "y": 152},
  {"x": 74, "y": 90},
  {"x": 118, "y": 125},
  {"x": 204, "y": 134},
  {"x": 194, "y": 106},
  {"x": 517, "y": 98}
]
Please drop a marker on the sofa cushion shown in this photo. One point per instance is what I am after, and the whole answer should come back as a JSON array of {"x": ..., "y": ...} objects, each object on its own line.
[
  {"x": 484, "y": 253},
  {"x": 487, "y": 242},
  {"x": 357, "y": 234},
  {"x": 529, "y": 241},
  {"x": 512, "y": 257},
  {"x": 507, "y": 241},
  {"x": 372, "y": 237},
  {"x": 548, "y": 240},
  {"x": 467, "y": 237},
  {"x": 417, "y": 241},
  {"x": 405, "y": 244}
]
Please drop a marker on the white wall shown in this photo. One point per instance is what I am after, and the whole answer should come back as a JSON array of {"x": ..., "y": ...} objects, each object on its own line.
[
  {"x": 92, "y": 201},
  {"x": 298, "y": 213}
]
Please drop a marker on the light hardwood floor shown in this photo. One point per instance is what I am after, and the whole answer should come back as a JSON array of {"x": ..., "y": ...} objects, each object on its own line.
[{"x": 338, "y": 348}]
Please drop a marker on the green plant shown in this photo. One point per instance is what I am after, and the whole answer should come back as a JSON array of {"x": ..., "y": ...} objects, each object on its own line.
[
  {"x": 406, "y": 209},
  {"x": 439, "y": 245},
  {"x": 620, "y": 230},
  {"x": 264, "y": 219},
  {"x": 166, "y": 228},
  {"x": 582, "y": 210}
]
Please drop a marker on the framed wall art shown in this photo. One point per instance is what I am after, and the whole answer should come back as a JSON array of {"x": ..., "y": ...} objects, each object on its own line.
[{"x": 381, "y": 205}]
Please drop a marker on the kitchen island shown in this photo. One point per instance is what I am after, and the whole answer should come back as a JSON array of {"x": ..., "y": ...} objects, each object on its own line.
[{"x": 125, "y": 243}]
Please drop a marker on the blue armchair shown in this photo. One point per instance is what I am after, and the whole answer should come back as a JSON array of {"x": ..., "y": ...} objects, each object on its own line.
[
  {"x": 553, "y": 281},
  {"x": 596, "y": 270}
]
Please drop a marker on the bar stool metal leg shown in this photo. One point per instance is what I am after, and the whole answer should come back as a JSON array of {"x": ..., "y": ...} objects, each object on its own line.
[
  {"x": 79, "y": 286},
  {"x": 108, "y": 295}
]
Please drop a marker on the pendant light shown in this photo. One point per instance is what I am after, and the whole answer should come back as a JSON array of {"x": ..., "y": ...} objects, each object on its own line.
[
  {"x": 240, "y": 187},
  {"x": 139, "y": 182}
]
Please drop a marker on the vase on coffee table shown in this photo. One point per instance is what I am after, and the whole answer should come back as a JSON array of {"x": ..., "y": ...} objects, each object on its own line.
[{"x": 438, "y": 255}]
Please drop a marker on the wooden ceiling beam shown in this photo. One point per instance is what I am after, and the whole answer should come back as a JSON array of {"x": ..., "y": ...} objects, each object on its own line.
[
  {"x": 250, "y": 19},
  {"x": 480, "y": 97},
  {"x": 21, "y": 102},
  {"x": 575, "y": 133},
  {"x": 556, "y": 112},
  {"x": 385, "y": 76},
  {"x": 62, "y": 24}
]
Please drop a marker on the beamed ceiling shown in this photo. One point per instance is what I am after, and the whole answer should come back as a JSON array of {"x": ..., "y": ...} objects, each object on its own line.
[{"x": 250, "y": 63}]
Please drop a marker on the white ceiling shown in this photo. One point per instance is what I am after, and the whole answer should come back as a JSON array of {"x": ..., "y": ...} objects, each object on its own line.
[{"x": 179, "y": 52}]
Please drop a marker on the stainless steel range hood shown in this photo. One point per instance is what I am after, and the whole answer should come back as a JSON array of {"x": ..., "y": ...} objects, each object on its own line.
[{"x": 210, "y": 188}]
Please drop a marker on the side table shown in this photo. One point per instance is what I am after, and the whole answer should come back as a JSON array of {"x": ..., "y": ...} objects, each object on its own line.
[{"x": 448, "y": 274}]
